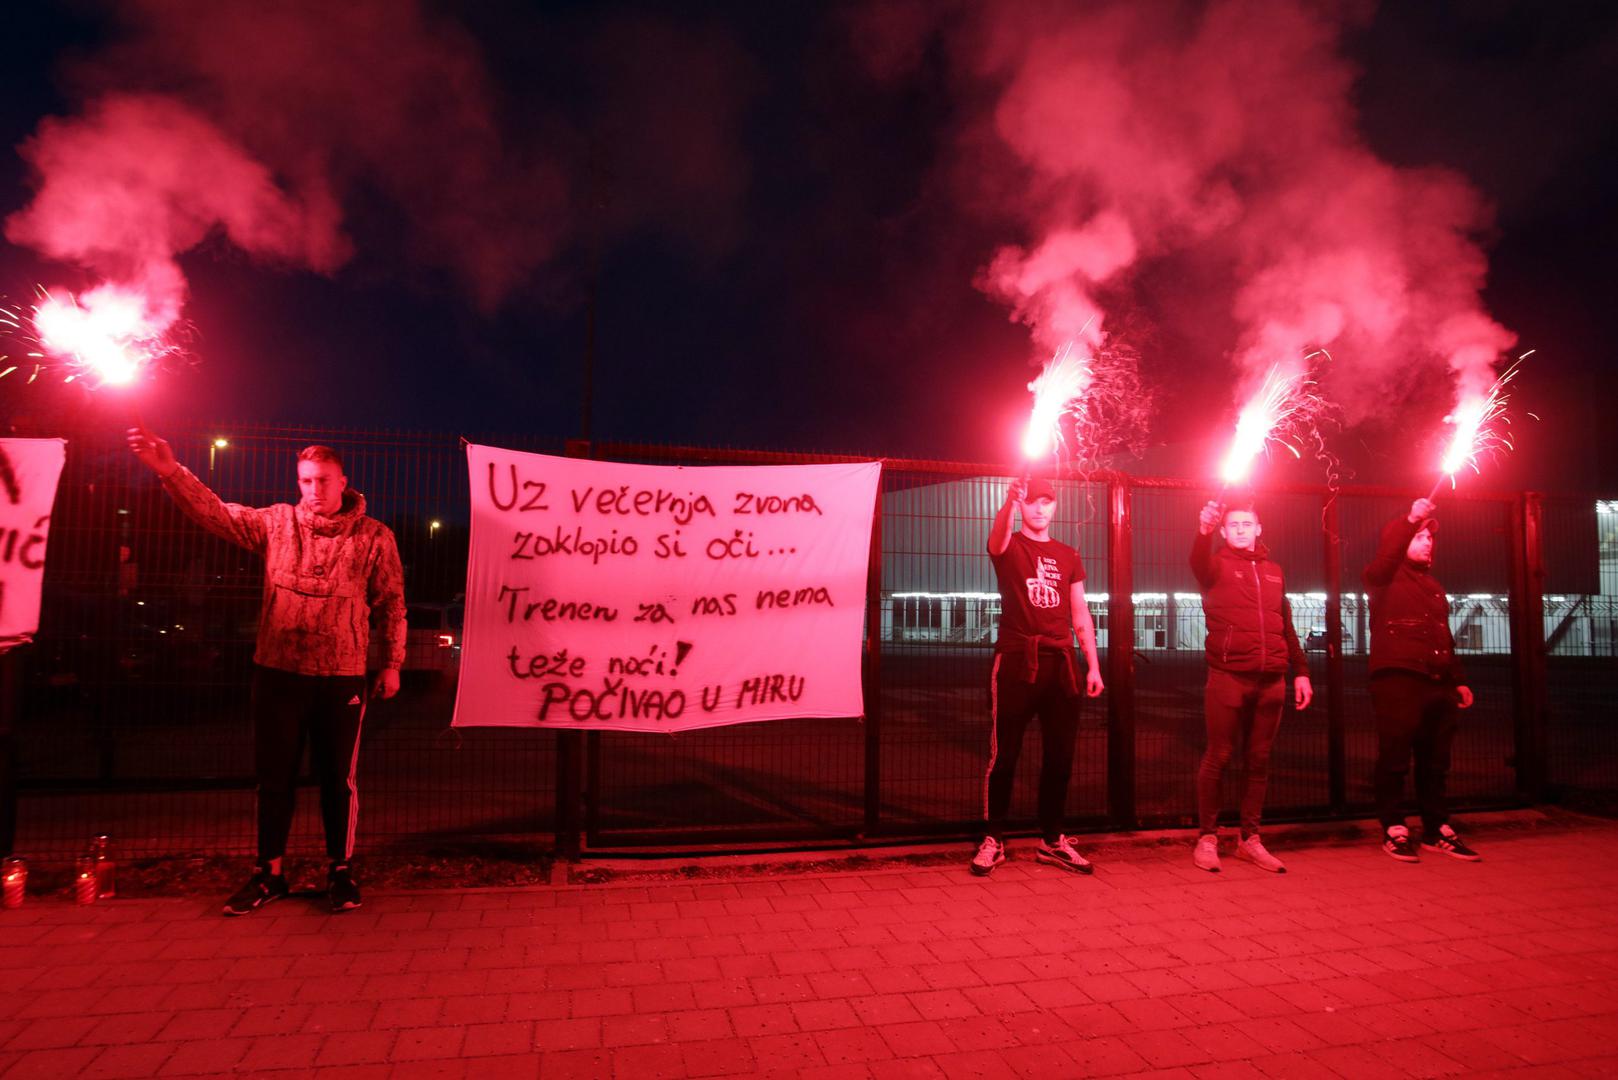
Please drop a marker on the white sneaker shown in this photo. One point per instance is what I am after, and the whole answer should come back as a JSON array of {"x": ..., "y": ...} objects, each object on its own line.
[
  {"x": 1252, "y": 849},
  {"x": 1206, "y": 853},
  {"x": 991, "y": 853}
]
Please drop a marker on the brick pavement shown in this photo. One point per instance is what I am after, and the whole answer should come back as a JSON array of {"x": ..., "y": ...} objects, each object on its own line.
[{"x": 1351, "y": 965}]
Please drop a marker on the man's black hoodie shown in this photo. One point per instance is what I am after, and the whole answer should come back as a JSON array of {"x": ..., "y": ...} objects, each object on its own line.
[{"x": 1409, "y": 611}]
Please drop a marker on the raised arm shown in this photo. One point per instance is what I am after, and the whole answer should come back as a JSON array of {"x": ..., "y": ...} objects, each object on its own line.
[
  {"x": 241, "y": 525},
  {"x": 1000, "y": 531},
  {"x": 1396, "y": 537},
  {"x": 1202, "y": 564}
]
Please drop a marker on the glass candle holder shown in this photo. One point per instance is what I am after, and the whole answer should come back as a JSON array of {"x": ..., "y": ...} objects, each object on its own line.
[
  {"x": 84, "y": 880},
  {"x": 13, "y": 881},
  {"x": 106, "y": 868}
]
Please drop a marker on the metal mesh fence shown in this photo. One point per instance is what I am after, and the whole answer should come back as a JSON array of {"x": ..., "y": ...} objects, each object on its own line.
[
  {"x": 133, "y": 713},
  {"x": 134, "y": 719},
  {"x": 1471, "y": 559},
  {"x": 1581, "y": 642},
  {"x": 940, "y": 610}
]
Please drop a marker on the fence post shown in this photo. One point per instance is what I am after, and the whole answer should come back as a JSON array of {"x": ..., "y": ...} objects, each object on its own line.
[
  {"x": 1528, "y": 642},
  {"x": 1120, "y": 656},
  {"x": 873, "y": 672},
  {"x": 1336, "y": 735},
  {"x": 569, "y": 755},
  {"x": 10, "y": 709}
]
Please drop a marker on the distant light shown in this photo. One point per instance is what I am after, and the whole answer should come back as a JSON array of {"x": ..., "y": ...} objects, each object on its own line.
[{"x": 221, "y": 443}]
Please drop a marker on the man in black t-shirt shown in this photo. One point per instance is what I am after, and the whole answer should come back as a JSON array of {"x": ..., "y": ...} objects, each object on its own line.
[{"x": 1041, "y": 604}]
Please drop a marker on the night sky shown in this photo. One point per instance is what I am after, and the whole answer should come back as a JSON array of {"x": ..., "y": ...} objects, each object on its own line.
[{"x": 776, "y": 243}]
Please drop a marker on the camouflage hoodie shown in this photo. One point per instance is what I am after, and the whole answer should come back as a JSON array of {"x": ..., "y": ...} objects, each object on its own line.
[{"x": 324, "y": 578}]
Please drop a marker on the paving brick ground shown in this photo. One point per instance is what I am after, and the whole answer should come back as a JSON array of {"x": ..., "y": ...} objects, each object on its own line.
[{"x": 1351, "y": 965}]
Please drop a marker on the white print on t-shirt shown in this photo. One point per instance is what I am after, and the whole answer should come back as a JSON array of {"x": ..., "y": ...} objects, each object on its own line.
[{"x": 1042, "y": 586}]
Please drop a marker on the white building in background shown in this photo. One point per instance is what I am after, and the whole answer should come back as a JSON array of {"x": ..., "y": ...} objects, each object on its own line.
[{"x": 938, "y": 588}]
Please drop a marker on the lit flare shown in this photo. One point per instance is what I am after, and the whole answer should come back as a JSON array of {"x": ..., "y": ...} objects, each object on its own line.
[
  {"x": 1480, "y": 427},
  {"x": 107, "y": 333},
  {"x": 1057, "y": 389},
  {"x": 1283, "y": 411}
]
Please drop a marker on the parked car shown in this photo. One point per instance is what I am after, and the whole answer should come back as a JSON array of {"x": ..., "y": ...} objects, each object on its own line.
[
  {"x": 432, "y": 641},
  {"x": 1316, "y": 639},
  {"x": 433, "y": 638}
]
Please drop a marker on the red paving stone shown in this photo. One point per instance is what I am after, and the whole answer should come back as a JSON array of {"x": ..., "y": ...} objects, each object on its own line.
[{"x": 1352, "y": 965}]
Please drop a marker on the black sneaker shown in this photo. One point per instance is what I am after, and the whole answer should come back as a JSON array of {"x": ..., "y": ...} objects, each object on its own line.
[
  {"x": 1396, "y": 842},
  {"x": 1447, "y": 842},
  {"x": 341, "y": 892},
  {"x": 261, "y": 889},
  {"x": 1063, "y": 854}
]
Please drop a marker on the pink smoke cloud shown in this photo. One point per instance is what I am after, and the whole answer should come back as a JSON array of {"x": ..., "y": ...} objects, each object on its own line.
[
  {"x": 136, "y": 180},
  {"x": 273, "y": 126},
  {"x": 1220, "y": 137}
]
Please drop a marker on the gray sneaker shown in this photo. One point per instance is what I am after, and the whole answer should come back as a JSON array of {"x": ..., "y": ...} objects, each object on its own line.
[
  {"x": 991, "y": 853},
  {"x": 1252, "y": 849},
  {"x": 1206, "y": 853}
]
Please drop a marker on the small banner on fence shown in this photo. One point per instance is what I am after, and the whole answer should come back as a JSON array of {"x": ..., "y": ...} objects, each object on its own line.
[
  {"x": 662, "y": 598},
  {"x": 29, "y": 471}
]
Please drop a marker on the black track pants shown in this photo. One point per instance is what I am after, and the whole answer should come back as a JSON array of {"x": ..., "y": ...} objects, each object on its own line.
[{"x": 325, "y": 711}]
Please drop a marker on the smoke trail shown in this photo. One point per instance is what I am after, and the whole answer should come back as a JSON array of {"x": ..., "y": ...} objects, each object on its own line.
[
  {"x": 261, "y": 121},
  {"x": 137, "y": 180},
  {"x": 1217, "y": 134}
]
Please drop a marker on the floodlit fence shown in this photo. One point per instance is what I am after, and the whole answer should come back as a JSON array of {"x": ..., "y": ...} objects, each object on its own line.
[{"x": 128, "y": 714}]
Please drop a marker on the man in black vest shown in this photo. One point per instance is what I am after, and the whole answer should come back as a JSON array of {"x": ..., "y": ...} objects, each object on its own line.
[
  {"x": 1251, "y": 642},
  {"x": 1042, "y": 603},
  {"x": 1416, "y": 684}
]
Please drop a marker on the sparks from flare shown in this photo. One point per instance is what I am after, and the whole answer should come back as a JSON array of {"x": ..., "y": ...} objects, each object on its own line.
[
  {"x": 106, "y": 336},
  {"x": 1057, "y": 390},
  {"x": 1480, "y": 428},
  {"x": 1088, "y": 405},
  {"x": 1286, "y": 411}
]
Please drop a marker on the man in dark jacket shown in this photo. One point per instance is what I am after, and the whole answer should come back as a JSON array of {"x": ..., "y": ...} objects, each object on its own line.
[
  {"x": 1251, "y": 642},
  {"x": 1416, "y": 684}
]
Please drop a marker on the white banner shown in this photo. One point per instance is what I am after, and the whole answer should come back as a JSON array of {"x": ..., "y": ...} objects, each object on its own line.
[
  {"x": 29, "y": 471},
  {"x": 662, "y": 598}
]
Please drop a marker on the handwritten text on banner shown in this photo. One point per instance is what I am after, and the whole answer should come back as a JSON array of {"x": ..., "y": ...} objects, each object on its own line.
[
  {"x": 29, "y": 471},
  {"x": 662, "y": 598}
]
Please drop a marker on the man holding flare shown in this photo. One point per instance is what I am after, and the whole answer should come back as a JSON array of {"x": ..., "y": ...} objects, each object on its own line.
[
  {"x": 1250, "y": 644},
  {"x": 1416, "y": 684},
  {"x": 329, "y": 570},
  {"x": 1042, "y": 605}
]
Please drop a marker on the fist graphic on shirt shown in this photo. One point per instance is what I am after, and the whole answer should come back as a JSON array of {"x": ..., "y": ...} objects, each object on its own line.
[{"x": 1042, "y": 594}]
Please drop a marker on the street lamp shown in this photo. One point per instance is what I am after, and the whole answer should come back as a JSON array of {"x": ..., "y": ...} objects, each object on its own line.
[
  {"x": 433, "y": 527},
  {"x": 214, "y": 448}
]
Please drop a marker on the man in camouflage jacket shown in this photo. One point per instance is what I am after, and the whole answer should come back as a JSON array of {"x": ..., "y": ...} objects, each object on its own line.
[{"x": 329, "y": 572}]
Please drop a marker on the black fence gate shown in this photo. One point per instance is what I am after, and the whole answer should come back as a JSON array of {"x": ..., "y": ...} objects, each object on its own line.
[{"x": 129, "y": 709}]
